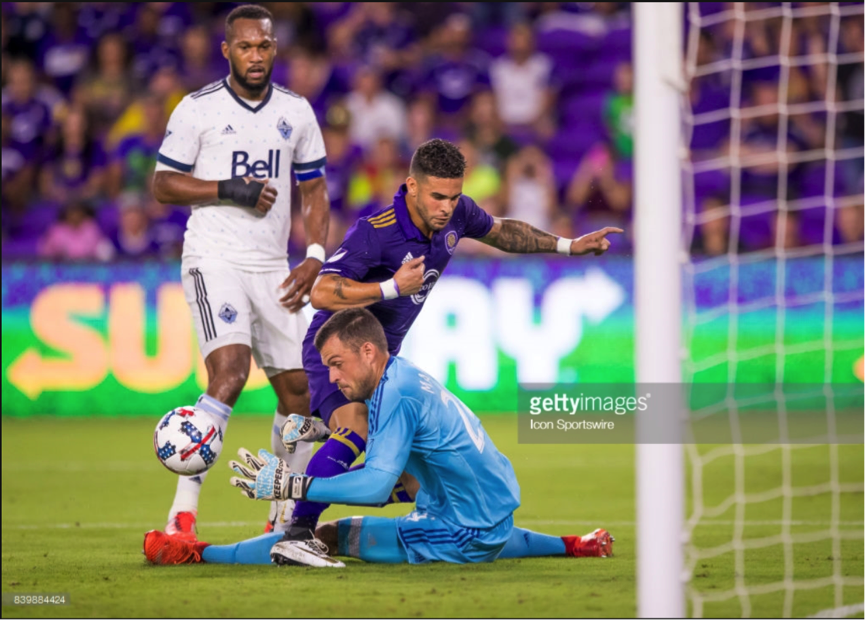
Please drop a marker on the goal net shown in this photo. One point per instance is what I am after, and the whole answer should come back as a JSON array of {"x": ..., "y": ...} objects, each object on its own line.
[{"x": 772, "y": 298}]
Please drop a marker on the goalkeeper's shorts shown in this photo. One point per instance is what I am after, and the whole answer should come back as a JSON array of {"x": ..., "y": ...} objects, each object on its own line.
[{"x": 418, "y": 538}]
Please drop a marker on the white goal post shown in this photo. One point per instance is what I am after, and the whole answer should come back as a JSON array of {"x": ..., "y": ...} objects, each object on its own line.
[{"x": 657, "y": 298}]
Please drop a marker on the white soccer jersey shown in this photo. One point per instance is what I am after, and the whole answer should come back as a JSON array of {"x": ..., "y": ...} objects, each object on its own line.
[{"x": 214, "y": 134}]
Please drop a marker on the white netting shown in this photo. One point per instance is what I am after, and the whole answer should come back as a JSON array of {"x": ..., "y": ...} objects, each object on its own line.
[{"x": 770, "y": 527}]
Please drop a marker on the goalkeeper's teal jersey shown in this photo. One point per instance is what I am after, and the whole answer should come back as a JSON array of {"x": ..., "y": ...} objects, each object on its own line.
[{"x": 416, "y": 425}]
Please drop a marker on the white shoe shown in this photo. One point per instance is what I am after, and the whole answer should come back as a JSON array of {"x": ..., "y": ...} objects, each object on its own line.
[{"x": 309, "y": 552}]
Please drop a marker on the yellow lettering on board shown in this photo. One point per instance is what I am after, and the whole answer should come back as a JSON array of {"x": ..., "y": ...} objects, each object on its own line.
[
  {"x": 51, "y": 317},
  {"x": 127, "y": 328}
]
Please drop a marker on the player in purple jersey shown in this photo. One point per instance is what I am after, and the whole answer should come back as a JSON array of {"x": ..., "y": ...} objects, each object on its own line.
[{"x": 389, "y": 263}]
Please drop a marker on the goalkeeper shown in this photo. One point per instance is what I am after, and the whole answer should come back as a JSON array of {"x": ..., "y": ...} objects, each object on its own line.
[{"x": 468, "y": 490}]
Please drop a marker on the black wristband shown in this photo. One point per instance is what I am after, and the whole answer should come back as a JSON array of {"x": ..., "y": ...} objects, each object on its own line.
[
  {"x": 299, "y": 485},
  {"x": 238, "y": 191}
]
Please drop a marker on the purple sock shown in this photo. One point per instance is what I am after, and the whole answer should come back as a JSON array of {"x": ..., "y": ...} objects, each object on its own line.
[{"x": 333, "y": 458}]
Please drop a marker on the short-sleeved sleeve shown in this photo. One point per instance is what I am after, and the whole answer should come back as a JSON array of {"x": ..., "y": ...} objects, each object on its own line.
[
  {"x": 478, "y": 222},
  {"x": 181, "y": 144},
  {"x": 309, "y": 157},
  {"x": 359, "y": 253},
  {"x": 391, "y": 436}
]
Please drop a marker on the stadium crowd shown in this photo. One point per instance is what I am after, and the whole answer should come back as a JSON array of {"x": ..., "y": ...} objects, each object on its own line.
[{"x": 537, "y": 95}]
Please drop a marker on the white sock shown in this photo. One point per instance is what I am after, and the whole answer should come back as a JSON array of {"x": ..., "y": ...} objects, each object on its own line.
[
  {"x": 189, "y": 487},
  {"x": 280, "y": 512}
]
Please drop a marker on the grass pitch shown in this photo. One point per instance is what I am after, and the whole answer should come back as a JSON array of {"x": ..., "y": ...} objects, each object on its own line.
[{"x": 78, "y": 496}]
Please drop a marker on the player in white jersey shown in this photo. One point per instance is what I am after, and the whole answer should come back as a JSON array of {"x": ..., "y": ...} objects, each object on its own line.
[{"x": 228, "y": 152}]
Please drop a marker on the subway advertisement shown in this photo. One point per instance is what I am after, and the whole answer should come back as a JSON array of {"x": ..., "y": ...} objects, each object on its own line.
[{"x": 116, "y": 340}]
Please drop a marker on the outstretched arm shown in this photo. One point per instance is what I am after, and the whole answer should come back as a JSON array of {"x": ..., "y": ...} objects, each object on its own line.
[{"x": 521, "y": 238}]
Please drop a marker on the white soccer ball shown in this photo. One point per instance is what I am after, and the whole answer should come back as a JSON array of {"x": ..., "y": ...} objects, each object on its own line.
[{"x": 187, "y": 441}]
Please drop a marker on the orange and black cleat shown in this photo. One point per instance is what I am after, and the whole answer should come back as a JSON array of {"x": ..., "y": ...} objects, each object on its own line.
[
  {"x": 182, "y": 527},
  {"x": 598, "y": 544},
  {"x": 160, "y": 548}
]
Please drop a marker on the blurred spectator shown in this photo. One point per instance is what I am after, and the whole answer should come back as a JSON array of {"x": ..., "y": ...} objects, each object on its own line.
[
  {"x": 18, "y": 171},
  {"x": 851, "y": 219},
  {"x": 486, "y": 14},
  {"x": 199, "y": 67},
  {"x": 167, "y": 227},
  {"x": 312, "y": 75},
  {"x": 485, "y": 132},
  {"x": 30, "y": 117},
  {"x": 619, "y": 112},
  {"x": 98, "y": 18},
  {"x": 420, "y": 124},
  {"x": 343, "y": 158},
  {"x": 482, "y": 181},
  {"x": 375, "y": 113},
  {"x": 374, "y": 184},
  {"x": 530, "y": 188},
  {"x": 600, "y": 191},
  {"x": 165, "y": 87},
  {"x": 27, "y": 25},
  {"x": 75, "y": 237},
  {"x": 521, "y": 82},
  {"x": 850, "y": 88},
  {"x": 133, "y": 160},
  {"x": 105, "y": 91},
  {"x": 154, "y": 37},
  {"x": 65, "y": 49},
  {"x": 134, "y": 239},
  {"x": 295, "y": 25},
  {"x": 457, "y": 71},
  {"x": 77, "y": 167},
  {"x": 380, "y": 35}
]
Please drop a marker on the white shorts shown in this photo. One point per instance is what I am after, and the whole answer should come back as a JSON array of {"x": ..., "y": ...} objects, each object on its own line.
[{"x": 231, "y": 306}]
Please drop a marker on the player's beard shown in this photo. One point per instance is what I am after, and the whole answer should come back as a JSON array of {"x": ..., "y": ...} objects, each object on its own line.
[
  {"x": 364, "y": 389},
  {"x": 431, "y": 223},
  {"x": 252, "y": 89}
]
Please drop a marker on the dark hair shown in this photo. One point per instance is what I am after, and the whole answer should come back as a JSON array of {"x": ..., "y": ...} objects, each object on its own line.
[
  {"x": 354, "y": 327},
  {"x": 438, "y": 158},
  {"x": 245, "y": 11}
]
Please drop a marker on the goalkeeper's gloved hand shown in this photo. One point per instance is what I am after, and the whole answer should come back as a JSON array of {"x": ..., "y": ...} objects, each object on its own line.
[
  {"x": 300, "y": 428},
  {"x": 268, "y": 477}
]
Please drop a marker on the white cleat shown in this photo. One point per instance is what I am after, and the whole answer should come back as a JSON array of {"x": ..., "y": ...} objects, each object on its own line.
[{"x": 309, "y": 552}]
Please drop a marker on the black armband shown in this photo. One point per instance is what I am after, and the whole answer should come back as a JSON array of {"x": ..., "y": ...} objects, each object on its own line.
[{"x": 238, "y": 191}]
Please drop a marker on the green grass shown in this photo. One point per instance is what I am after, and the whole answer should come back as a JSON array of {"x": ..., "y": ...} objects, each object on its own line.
[{"x": 79, "y": 494}]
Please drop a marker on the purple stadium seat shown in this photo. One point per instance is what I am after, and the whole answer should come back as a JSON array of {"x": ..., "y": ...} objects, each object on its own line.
[
  {"x": 492, "y": 40},
  {"x": 617, "y": 45},
  {"x": 582, "y": 109}
]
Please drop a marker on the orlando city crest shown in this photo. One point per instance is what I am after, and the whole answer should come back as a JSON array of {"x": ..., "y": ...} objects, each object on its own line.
[
  {"x": 284, "y": 128},
  {"x": 451, "y": 242}
]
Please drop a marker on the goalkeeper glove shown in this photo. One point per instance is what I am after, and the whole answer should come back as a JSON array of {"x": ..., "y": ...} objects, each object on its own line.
[
  {"x": 300, "y": 428},
  {"x": 268, "y": 477}
]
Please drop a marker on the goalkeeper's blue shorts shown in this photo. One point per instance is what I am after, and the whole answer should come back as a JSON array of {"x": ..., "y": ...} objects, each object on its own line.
[{"x": 420, "y": 537}]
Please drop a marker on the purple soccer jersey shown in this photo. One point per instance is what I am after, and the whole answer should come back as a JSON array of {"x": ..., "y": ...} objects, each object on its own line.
[{"x": 373, "y": 250}]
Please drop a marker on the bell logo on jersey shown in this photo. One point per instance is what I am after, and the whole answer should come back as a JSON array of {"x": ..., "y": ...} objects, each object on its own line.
[{"x": 261, "y": 169}]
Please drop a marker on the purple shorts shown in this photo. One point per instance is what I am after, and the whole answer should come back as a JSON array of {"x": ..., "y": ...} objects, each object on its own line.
[{"x": 324, "y": 396}]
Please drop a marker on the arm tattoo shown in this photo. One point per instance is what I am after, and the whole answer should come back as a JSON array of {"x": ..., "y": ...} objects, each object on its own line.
[
  {"x": 521, "y": 238},
  {"x": 339, "y": 283}
]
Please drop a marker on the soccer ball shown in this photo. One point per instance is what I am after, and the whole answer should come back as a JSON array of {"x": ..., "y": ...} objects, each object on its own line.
[{"x": 187, "y": 441}]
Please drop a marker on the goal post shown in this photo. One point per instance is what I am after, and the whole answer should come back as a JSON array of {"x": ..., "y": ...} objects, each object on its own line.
[{"x": 660, "y": 474}]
